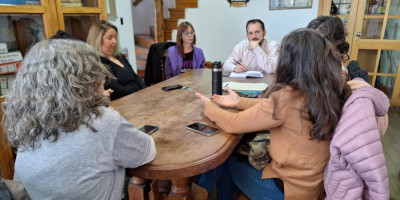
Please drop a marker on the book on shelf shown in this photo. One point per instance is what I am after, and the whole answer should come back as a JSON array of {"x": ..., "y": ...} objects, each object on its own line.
[
  {"x": 32, "y": 2},
  {"x": 9, "y": 57},
  {"x": 6, "y": 82},
  {"x": 253, "y": 87},
  {"x": 72, "y": 3},
  {"x": 3, "y": 82},
  {"x": 3, "y": 48},
  {"x": 247, "y": 74},
  {"x": 10, "y": 68},
  {"x": 20, "y": 2}
]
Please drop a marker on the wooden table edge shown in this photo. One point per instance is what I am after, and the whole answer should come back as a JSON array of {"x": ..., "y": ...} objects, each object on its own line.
[{"x": 149, "y": 171}]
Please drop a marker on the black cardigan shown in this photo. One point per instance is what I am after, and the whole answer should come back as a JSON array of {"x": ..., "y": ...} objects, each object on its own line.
[{"x": 127, "y": 81}]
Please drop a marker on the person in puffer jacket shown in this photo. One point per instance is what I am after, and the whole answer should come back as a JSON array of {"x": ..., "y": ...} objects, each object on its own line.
[{"x": 357, "y": 168}]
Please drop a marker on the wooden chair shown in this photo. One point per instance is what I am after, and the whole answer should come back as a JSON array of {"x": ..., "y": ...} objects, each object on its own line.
[
  {"x": 6, "y": 154},
  {"x": 208, "y": 64}
]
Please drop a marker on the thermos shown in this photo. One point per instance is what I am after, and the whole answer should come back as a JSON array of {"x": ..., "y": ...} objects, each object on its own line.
[{"x": 217, "y": 78}]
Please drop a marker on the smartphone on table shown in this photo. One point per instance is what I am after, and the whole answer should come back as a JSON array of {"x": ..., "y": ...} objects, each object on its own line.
[
  {"x": 248, "y": 95},
  {"x": 171, "y": 87},
  {"x": 149, "y": 129},
  {"x": 202, "y": 129}
]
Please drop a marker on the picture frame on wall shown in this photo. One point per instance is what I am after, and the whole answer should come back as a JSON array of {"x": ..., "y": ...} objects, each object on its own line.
[
  {"x": 289, "y": 4},
  {"x": 238, "y": 3},
  {"x": 111, "y": 11}
]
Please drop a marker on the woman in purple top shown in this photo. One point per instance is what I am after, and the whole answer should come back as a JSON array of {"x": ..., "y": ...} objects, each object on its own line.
[{"x": 184, "y": 56}]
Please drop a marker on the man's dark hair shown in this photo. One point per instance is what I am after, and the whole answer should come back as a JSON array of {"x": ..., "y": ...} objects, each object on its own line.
[{"x": 253, "y": 21}]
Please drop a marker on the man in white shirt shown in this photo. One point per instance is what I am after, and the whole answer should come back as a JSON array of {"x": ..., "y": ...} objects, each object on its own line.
[{"x": 255, "y": 53}]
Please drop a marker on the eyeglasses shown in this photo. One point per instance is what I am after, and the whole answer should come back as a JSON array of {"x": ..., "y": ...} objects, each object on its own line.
[{"x": 189, "y": 33}]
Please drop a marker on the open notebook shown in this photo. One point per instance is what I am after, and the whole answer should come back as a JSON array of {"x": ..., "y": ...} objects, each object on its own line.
[
  {"x": 247, "y": 74},
  {"x": 236, "y": 86}
]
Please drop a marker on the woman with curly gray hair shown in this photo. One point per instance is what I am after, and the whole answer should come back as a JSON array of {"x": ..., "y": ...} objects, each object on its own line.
[{"x": 70, "y": 145}]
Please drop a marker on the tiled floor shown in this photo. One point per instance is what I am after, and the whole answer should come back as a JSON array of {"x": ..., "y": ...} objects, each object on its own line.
[{"x": 391, "y": 147}]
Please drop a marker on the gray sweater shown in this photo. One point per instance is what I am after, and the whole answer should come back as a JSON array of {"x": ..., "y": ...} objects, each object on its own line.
[{"x": 84, "y": 164}]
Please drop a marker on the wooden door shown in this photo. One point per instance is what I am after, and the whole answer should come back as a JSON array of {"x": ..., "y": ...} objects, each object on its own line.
[{"x": 374, "y": 37}]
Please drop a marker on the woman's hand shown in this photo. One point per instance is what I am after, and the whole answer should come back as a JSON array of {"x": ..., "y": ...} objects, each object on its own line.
[
  {"x": 355, "y": 84},
  {"x": 230, "y": 100},
  {"x": 203, "y": 98},
  {"x": 107, "y": 93}
]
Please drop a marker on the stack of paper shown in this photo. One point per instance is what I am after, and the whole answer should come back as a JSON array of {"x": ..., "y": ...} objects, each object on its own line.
[
  {"x": 247, "y": 74},
  {"x": 259, "y": 87}
]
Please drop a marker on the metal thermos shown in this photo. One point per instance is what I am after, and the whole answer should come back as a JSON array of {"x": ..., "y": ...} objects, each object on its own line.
[{"x": 217, "y": 78}]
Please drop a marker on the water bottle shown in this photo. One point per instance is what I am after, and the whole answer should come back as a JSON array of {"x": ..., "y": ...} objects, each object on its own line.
[{"x": 217, "y": 78}]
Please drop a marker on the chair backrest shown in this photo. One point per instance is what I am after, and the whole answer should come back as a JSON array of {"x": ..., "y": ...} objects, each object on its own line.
[
  {"x": 208, "y": 64},
  {"x": 163, "y": 57},
  {"x": 6, "y": 154},
  {"x": 154, "y": 72}
]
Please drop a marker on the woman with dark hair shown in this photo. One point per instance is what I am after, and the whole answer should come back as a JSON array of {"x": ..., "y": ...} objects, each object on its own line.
[
  {"x": 184, "y": 56},
  {"x": 70, "y": 145},
  {"x": 301, "y": 109},
  {"x": 103, "y": 36},
  {"x": 333, "y": 29}
]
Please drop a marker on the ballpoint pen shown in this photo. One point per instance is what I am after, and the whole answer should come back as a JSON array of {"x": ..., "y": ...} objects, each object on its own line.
[
  {"x": 226, "y": 84},
  {"x": 238, "y": 63}
]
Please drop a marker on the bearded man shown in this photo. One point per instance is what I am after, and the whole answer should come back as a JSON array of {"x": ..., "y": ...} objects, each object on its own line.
[{"x": 255, "y": 53}]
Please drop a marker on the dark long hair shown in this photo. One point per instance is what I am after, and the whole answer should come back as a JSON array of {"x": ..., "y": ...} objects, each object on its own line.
[
  {"x": 179, "y": 42},
  {"x": 333, "y": 29},
  {"x": 311, "y": 66}
]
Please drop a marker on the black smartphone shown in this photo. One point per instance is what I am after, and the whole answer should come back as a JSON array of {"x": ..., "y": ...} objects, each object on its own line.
[
  {"x": 149, "y": 129},
  {"x": 203, "y": 129},
  {"x": 248, "y": 95},
  {"x": 171, "y": 87}
]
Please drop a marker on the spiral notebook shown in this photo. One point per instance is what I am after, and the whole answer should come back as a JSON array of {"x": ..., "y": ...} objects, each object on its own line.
[{"x": 247, "y": 74}]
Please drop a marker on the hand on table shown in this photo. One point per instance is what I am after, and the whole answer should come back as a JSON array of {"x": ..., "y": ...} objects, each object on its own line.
[{"x": 239, "y": 68}]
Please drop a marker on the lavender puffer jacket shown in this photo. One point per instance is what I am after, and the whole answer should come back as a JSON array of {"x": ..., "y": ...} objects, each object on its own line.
[{"x": 356, "y": 167}]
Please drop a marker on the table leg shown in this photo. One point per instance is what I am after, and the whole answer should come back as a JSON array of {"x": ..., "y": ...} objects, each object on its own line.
[
  {"x": 180, "y": 190},
  {"x": 153, "y": 193},
  {"x": 136, "y": 189}
]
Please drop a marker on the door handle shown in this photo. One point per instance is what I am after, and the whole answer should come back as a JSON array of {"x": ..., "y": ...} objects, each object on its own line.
[{"x": 358, "y": 34}]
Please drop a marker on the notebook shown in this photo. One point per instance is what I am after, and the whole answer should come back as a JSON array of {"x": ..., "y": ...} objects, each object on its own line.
[
  {"x": 236, "y": 86},
  {"x": 247, "y": 74}
]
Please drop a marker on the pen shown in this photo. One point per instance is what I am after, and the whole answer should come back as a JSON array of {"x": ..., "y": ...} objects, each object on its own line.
[
  {"x": 238, "y": 63},
  {"x": 226, "y": 85},
  {"x": 251, "y": 92}
]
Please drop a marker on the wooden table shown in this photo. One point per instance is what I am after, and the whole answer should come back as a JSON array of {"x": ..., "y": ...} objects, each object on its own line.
[{"x": 181, "y": 153}]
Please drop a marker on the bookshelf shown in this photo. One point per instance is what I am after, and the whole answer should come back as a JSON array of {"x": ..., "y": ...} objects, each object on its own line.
[{"x": 25, "y": 22}]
